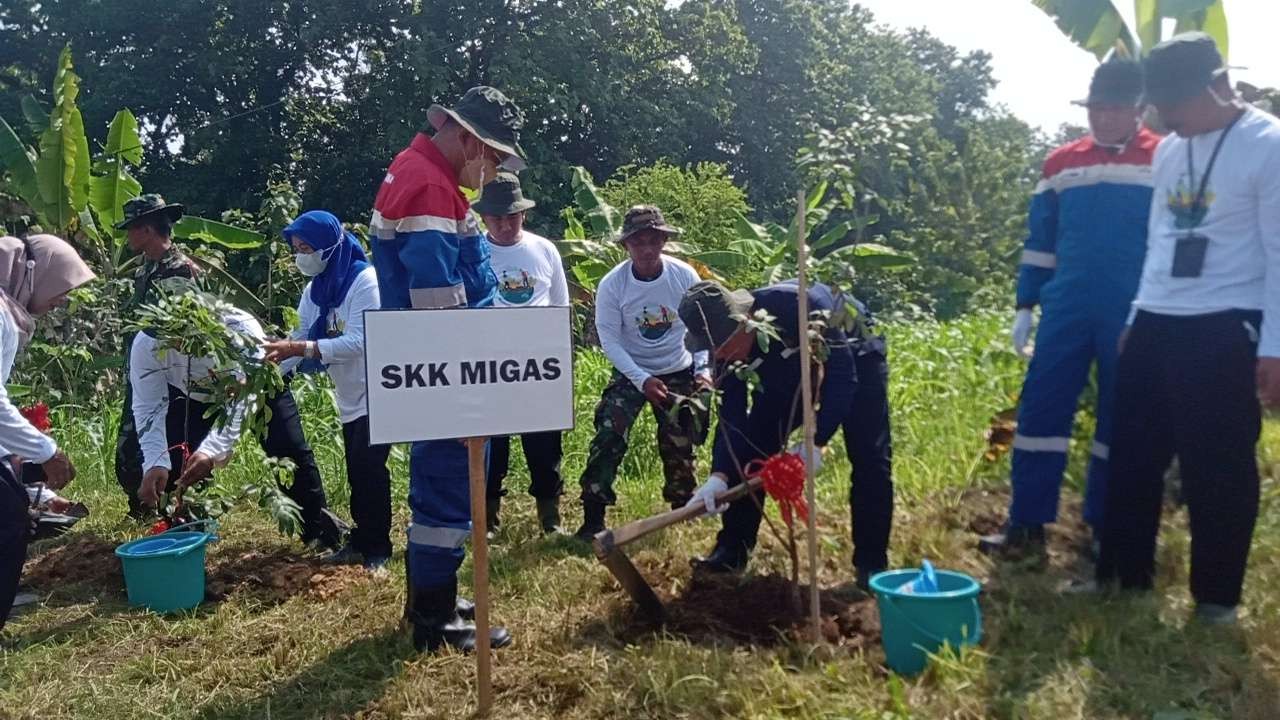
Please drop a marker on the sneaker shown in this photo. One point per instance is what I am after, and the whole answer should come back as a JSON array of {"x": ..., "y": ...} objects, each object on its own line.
[
  {"x": 346, "y": 555},
  {"x": 1212, "y": 614},
  {"x": 376, "y": 564},
  {"x": 1079, "y": 587},
  {"x": 25, "y": 598},
  {"x": 1015, "y": 541}
]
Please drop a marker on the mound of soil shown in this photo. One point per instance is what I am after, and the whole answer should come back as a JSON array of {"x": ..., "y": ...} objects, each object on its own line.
[
  {"x": 754, "y": 609},
  {"x": 87, "y": 560},
  {"x": 277, "y": 575}
]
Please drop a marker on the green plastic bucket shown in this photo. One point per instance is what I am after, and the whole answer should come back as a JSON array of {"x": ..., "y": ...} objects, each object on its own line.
[
  {"x": 914, "y": 625},
  {"x": 165, "y": 572}
]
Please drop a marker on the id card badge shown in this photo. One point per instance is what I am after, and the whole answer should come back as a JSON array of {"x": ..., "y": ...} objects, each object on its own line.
[{"x": 1188, "y": 256}]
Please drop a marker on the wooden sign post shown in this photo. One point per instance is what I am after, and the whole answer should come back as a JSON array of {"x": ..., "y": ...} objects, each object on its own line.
[{"x": 480, "y": 573}]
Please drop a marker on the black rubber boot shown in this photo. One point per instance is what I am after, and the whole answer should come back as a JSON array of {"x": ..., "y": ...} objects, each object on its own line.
[
  {"x": 1016, "y": 541},
  {"x": 722, "y": 559},
  {"x": 436, "y": 622},
  {"x": 549, "y": 516},
  {"x": 466, "y": 609},
  {"x": 592, "y": 520}
]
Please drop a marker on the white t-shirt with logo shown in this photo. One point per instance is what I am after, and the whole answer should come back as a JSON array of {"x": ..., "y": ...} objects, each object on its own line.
[
  {"x": 640, "y": 330},
  {"x": 1242, "y": 264},
  {"x": 530, "y": 273}
]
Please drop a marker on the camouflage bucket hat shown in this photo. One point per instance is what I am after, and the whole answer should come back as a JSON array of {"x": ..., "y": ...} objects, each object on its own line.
[
  {"x": 146, "y": 205},
  {"x": 645, "y": 217},
  {"x": 489, "y": 115},
  {"x": 711, "y": 313},
  {"x": 502, "y": 196}
]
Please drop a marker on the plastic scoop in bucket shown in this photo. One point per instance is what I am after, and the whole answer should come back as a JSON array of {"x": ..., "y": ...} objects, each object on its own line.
[{"x": 923, "y": 584}]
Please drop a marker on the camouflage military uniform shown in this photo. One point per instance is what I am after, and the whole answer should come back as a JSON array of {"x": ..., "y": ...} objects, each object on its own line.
[
  {"x": 128, "y": 454},
  {"x": 620, "y": 404}
]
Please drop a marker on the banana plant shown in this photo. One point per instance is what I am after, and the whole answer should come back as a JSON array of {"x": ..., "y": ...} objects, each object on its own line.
[
  {"x": 836, "y": 252},
  {"x": 1098, "y": 26},
  {"x": 590, "y": 249},
  {"x": 82, "y": 200}
]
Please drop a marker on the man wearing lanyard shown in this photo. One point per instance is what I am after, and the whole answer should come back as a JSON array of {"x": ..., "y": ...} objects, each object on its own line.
[{"x": 1203, "y": 344}]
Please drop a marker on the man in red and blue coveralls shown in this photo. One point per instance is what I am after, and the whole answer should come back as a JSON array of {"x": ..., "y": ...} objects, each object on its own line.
[
  {"x": 1081, "y": 263},
  {"x": 429, "y": 253}
]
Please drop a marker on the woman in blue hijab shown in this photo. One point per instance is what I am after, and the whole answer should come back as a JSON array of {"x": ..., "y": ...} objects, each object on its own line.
[{"x": 330, "y": 338}]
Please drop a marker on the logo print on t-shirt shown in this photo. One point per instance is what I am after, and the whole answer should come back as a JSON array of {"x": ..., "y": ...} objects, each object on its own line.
[
  {"x": 1187, "y": 214},
  {"x": 653, "y": 324},
  {"x": 515, "y": 287}
]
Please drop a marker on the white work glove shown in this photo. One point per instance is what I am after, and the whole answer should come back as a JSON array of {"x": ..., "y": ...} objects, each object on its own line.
[
  {"x": 1022, "y": 333},
  {"x": 706, "y": 494},
  {"x": 815, "y": 462}
]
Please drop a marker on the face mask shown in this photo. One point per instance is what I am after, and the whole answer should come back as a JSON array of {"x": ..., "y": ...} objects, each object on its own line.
[
  {"x": 1228, "y": 103},
  {"x": 310, "y": 264},
  {"x": 481, "y": 174}
]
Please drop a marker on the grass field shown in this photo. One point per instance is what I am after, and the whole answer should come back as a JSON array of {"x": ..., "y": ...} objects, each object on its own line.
[{"x": 293, "y": 641}]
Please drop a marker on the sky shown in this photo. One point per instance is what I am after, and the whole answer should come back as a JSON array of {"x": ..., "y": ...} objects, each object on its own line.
[{"x": 1040, "y": 71}]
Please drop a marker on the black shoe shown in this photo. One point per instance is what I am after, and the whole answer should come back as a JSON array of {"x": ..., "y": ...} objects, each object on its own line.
[
  {"x": 592, "y": 520},
  {"x": 549, "y": 516},
  {"x": 864, "y": 577},
  {"x": 345, "y": 555},
  {"x": 436, "y": 622},
  {"x": 722, "y": 560},
  {"x": 142, "y": 514},
  {"x": 492, "y": 515},
  {"x": 1015, "y": 541}
]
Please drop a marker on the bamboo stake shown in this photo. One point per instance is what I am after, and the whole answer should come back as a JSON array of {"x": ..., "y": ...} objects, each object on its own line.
[
  {"x": 806, "y": 390},
  {"x": 480, "y": 574}
]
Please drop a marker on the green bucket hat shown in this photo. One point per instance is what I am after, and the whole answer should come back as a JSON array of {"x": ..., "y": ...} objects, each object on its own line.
[
  {"x": 645, "y": 217},
  {"x": 146, "y": 205},
  {"x": 502, "y": 196},
  {"x": 489, "y": 115},
  {"x": 711, "y": 313}
]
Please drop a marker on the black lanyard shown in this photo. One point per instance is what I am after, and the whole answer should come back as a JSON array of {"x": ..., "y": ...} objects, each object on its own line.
[{"x": 1198, "y": 202}]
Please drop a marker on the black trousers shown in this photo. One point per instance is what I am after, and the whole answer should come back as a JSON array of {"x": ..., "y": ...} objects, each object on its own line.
[
  {"x": 869, "y": 444},
  {"x": 186, "y": 421},
  {"x": 1185, "y": 387},
  {"x": 542, "y": 453},
  {"x": 370, "y": 482},
  {"x": 15, "y": 532}
]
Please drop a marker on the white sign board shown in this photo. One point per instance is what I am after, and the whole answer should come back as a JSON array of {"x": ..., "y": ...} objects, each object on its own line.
[{"x": 439, "y": 374}]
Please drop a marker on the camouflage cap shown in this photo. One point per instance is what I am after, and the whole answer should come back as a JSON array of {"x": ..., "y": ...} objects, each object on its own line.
[
  {"x": 489, "y": 115},
  {"x": 645, "y": 217},
  {"x": 146, "y": 205},
  {"x": 711, "y": 313}
]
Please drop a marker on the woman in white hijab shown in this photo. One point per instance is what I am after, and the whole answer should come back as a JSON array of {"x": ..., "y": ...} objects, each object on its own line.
[{"x": 35, "y": 276}]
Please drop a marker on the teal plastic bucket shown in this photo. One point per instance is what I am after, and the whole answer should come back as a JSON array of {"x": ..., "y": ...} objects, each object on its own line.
[
  {"x": 911, "y": 626},
  {"x": 165, "y": 572}
]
